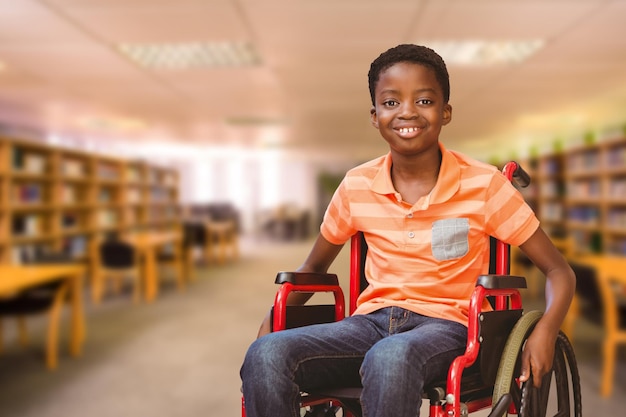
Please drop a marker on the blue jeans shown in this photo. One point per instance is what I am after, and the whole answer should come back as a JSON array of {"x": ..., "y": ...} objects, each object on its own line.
[{"x": 393, "y": 352}]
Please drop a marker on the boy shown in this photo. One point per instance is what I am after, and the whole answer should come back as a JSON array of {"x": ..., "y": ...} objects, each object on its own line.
[{"x": 426, "y": 213}]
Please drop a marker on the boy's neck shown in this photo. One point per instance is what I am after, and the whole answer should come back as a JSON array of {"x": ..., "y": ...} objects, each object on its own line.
[
  {"x": 419, "y": 167},
  {"x": 415, "y": 177}
]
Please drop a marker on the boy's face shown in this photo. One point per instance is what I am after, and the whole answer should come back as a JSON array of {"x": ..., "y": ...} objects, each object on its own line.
[{"x": 409, "y": 108}]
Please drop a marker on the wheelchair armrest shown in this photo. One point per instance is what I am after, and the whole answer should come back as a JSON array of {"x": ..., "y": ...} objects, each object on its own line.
[
  {"x": 504, "y": 288},
  {"x": 494, "y": 282},
  {"x": 306, "y": 278},
  {"x": 306, "y": 282}
]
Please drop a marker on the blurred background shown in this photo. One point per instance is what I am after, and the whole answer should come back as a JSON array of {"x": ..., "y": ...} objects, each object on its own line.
[
  {"x": 250, "y": 100},
  {"x": 243, "y": 116}
]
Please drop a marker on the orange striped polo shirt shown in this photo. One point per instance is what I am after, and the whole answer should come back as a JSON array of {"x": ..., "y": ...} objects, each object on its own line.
[{"x": 426, "y": 257}]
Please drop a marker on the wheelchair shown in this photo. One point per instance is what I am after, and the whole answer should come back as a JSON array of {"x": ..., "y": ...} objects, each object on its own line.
[{"x": 476, "y": 381}]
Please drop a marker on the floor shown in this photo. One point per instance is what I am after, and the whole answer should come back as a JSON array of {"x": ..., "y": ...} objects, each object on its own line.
[{"x": 180, "y": 355}]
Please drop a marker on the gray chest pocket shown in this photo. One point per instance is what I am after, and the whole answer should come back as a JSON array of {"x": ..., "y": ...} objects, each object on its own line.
[{"x": 450, "y": 238}]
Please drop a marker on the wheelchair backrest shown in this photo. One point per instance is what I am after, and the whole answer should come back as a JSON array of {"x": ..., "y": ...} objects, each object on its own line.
[{"x": 358, "y": 254}]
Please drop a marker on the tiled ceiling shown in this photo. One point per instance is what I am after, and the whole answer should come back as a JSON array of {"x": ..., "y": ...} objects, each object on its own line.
[{"x": 63, "y": 74}]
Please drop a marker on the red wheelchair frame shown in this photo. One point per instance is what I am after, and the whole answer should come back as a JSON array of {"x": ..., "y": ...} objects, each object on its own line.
[{"x": 501, "y": 288}]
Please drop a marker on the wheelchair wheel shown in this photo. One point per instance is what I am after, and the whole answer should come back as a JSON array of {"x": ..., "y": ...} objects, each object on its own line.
[{"x": 556, "y": 397}]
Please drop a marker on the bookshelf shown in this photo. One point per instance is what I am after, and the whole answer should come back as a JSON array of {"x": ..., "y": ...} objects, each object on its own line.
[
  {"x": 59, "y": 199},
  {"x": 614, "y": 206},
  {"x": 581, "y": 195}
]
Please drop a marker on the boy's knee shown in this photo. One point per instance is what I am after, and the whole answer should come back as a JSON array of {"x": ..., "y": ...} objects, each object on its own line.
[
  {"x": 269, "y": 351},
  {"x": 262, "y": 350}
]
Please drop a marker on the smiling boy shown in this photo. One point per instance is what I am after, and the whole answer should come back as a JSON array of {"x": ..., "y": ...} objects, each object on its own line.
[{"x": 426, "y": 213}]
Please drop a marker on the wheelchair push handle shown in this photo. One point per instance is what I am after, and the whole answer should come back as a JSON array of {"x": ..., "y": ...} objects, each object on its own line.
[{"x": 514, "y": 172}]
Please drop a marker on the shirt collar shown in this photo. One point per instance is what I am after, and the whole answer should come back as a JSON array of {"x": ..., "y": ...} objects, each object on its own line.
[{"x": 447, "y": 183}]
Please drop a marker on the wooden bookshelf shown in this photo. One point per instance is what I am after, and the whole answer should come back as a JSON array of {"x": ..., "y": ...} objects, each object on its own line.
[
  {"x": 581, "y": 195},
  {"x": 614, "y": 205},
  {"x": 59, "y": 199}
]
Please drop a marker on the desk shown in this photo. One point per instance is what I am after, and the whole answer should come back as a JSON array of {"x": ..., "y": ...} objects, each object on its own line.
[
  {"x": 19, "y": 277},
  {"x": 147, "y": 244},
  {"x": 609, "y": 266},
  {"x": 610, "y": 270}
]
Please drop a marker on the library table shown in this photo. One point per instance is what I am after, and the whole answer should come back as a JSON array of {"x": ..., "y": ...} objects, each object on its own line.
[
  {"x": 15, "y": 278},
  {"x": 609, "y": 267},
  {"x": 148, "y": 244},
  {"x": 611, "y": 274}
]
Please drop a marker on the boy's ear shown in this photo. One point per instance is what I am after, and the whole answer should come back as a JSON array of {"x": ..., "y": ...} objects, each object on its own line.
[
  {"x": 447, "y": 114},
  {"x": 374, "y": 117}
]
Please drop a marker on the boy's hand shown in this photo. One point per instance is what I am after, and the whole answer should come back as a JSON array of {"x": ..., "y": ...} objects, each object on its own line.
[
  {"x": 265, "y": 326},
  {"x": 537, "y": 355}
]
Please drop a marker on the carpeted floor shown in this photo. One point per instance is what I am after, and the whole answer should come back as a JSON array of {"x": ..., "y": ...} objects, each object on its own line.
[{"x": 180, "y": 355}]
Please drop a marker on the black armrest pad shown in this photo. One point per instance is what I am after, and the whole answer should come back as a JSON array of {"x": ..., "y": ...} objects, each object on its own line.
[
  {"x": 501, "y": 281},
  {"x": 306, "y": 278}
]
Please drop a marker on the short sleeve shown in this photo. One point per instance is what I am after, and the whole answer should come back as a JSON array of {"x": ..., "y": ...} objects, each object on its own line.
[
  {"x": 337, "y": 225},
  {"x": 507, "y": 216}
]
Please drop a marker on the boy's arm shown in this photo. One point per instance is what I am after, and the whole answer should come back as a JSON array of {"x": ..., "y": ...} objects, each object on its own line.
[
  {"x": 319, "y": 260},
  {"x": 560, "y": 285}
]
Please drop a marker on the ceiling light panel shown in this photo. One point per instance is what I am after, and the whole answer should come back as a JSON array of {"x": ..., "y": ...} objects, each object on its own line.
[
  {"x": 193, "y": 55},
  {"x": 484, "y": 53}
]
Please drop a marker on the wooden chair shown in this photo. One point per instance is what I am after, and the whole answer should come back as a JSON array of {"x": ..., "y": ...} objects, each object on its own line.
[
  {"x": 43, "y": 299},
  {"x": 115, "y": 260},
  {"x": 193, "y": 234},
  {"x": 598, "y": 301},
  {"x": 222, "y": 238},
  {"x": 198, "y": 234}
]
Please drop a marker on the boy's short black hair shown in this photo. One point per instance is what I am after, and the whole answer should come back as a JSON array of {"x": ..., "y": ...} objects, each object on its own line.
[{"x": 416, "y": 54}]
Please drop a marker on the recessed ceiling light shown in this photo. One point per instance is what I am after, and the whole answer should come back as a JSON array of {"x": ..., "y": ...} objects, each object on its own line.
[
  {"x": 180, "y": 56},
  {"x": 477, "y": 52},
  {"x": 254, "y": 121}
]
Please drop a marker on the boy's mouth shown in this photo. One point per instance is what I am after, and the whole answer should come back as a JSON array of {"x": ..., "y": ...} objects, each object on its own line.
[{"x": 408, "y": 131}]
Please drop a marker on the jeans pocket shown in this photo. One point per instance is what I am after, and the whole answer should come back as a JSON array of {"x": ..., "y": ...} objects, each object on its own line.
[{"x": 450, "y": 238}]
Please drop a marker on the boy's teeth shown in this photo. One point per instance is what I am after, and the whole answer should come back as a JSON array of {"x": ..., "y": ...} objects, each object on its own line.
[{"x": 407, "y": 129}]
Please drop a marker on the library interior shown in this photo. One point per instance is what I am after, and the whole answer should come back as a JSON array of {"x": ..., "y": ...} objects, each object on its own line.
[{"x": 161, "y": 161}]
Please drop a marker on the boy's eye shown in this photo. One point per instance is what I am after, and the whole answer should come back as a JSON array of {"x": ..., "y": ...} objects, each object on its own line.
[
  {"x": 424, "y": 101},
  {"x": 390, "y": 103}
]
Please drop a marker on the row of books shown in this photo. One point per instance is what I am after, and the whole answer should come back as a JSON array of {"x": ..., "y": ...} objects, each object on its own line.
[
  {"x": 35, "y": 225},
  {"x": 31, "y": 162},
  {"x": 584, "y": 215},
  {"x": 584, "y": 189},
  {"x": 75, "y": 247},
  {"x": 616, "y": 158},
  {"x": 617, "y": 218},
  {"x": 73, "y": 168},
  {"x": 617, "y": 188},
  {"x": 617, "y": 247},
  {"x": 27, "y": 193},
  {"x": 27, "y": 225}
]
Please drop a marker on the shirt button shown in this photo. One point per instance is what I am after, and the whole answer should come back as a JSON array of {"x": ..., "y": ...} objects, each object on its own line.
[
  {"x": 410, "y": 215},
  {"x": 411, "y": 235}
]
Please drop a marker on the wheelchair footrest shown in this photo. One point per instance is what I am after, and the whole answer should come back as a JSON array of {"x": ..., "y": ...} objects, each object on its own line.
[{"x": 348, "y": 397}]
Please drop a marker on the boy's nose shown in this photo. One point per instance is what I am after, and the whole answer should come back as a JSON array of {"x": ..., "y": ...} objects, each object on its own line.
[{"x": 408, "y": 111}]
